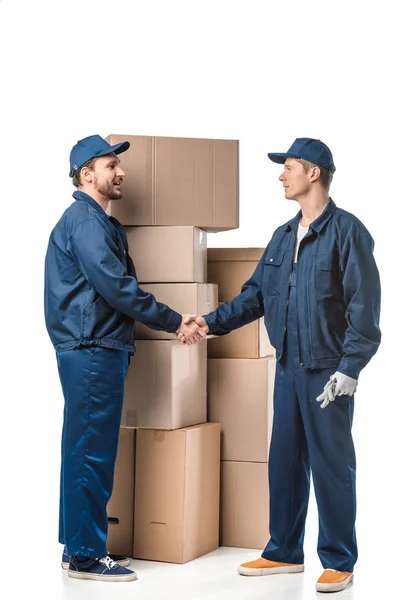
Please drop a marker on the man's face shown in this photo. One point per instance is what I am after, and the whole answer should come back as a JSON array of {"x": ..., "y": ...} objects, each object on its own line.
[
  {"x": 294, "y": 179},
  {"x": 108, "y": 176}
]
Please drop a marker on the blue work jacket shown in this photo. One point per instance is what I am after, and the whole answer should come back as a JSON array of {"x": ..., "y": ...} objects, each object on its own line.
[
  {"x": 338, "y": 293},
  {"x": 91, "y": 295}
]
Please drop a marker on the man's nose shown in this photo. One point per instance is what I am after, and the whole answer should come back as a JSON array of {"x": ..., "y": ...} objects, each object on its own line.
[{"x": 120, "y": 172}]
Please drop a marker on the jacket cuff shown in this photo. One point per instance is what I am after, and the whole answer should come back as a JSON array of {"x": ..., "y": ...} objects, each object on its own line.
[
  {"x": 175, "y": 322},
  {"x": 348, "y": 369},
  {"x": 208, "y": 320}
]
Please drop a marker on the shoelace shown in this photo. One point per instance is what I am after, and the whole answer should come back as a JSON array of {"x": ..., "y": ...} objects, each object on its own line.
[{"x": 108, "y": 562}]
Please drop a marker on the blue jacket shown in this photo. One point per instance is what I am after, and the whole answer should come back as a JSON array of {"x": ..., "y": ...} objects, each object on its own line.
[
  {"x": 338, "y": 293},
  {"x": 92, "y": 296}
]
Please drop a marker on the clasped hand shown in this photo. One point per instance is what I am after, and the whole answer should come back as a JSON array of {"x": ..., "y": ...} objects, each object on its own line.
[{"x": 192, "y": 329}]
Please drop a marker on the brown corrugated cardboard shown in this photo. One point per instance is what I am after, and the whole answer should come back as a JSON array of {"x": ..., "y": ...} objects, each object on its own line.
[
  {"x": 240, "y": 399},
  {"x": 166, "y": 385},
  {"x": 230, "y": 268},
  {"x": 250, "y": 341},
  {"x": 121, "y": 504},
  {"x": 168, "y": 254},
  {"x": 179, "y": 181},
  {"x": 185, "y": 298},
  {"x": 244, "y": 505},
  {"x": 177, "y": 493}
]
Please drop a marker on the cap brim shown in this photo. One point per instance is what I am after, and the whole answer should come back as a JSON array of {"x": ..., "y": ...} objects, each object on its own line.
[
  {"x": 117, "y": 148},
  {"x": 280, "y": 157}
]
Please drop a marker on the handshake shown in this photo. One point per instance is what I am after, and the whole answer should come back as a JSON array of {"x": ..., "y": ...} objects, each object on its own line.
[{"x": 192, "y": 329}]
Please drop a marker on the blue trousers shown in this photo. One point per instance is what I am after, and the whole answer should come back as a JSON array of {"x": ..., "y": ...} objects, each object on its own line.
[
  {"x": 309, "y": 440},
  {"x": 92, "y": 380}
]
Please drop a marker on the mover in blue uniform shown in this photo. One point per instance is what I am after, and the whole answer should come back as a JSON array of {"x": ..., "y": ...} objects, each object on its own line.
[
  {"x": 317, "y": 286},
  {"x": 92, "y": 299}
]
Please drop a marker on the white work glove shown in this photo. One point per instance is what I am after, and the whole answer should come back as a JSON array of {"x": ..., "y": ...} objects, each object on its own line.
[{"x": 338, "y": 385}]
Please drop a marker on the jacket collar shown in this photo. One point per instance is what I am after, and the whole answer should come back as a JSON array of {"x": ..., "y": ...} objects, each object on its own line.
[
  {"x": 319, "y": 222},
  {"x": 83, "y": 197}
]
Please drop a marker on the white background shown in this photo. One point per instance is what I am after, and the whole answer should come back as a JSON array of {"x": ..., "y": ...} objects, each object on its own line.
[{"x": 258, "y": 71}]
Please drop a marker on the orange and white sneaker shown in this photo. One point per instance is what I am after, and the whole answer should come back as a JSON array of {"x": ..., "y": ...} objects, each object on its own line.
[
  {"x": 333, "y": 581},
  {"x": 262, "y": 566}
]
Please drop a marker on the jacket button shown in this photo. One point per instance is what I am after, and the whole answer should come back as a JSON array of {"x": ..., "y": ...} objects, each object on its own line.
[
  {"x": 271, "y": 260},
  {"x": 302, "y": 364}
]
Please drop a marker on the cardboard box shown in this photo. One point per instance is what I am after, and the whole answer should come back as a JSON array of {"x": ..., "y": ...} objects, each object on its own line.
[
  {"x": 166, "y": 385},
  {"x": 121, "y": 504},
  {"x": 179, "y": 181},
  {"x": 250, "y": 341},
  {"x": 185, "y": 298},
  {"x": 177, "y": 493},
  {"x": 244, "y": 505},
  {"x": 230, "y": 268},
  {"x": 240, "y": 398},
  {"x": 168, "y": 254}
]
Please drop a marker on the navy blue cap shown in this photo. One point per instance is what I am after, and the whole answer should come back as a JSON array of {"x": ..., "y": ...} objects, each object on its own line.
[
  {"x": 92, "y": 147},
  {"x": 309, "y": 149}
]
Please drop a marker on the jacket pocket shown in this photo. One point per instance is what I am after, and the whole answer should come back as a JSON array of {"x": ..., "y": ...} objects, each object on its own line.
[
  {"x": 272, "y": 274},
  {"x": 98, "y": 316},
  {"x": 326, "y": 275}
]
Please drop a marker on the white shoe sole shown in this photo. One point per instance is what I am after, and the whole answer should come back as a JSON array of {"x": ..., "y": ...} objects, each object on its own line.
[
  {"x": 251, "y": 572},
  {"x": 334, "y": 587},
  {"x": 98, "y": 577}
]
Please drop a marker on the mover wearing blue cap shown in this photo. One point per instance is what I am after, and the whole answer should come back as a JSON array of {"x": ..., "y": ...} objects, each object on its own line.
[
  {"x": 318, "y": 288},
  {"x": 92, "y": 300},
  {"x": 90, "y": 148}
]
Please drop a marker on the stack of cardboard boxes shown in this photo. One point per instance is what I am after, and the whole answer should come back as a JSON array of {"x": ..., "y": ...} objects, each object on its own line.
[
  {"x": 241, "y": 369},
  {"x": 166, "y": 500}
]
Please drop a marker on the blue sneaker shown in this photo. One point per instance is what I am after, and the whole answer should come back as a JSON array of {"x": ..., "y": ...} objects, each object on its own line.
[
  {"x": 123, "y": 561},
  {"x": 101, "y": 569}
]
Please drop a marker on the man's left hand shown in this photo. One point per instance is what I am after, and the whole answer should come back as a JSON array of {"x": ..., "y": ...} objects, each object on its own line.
[{"x": 338, "y": 385}]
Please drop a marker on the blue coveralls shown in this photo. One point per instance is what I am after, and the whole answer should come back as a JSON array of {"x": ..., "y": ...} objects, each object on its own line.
[
  {"x": 305, "y": 438},
  {"x": 326, "y": 321},
  {"x": 92, "y": 380},
  {"x": 92, "y": 301}
]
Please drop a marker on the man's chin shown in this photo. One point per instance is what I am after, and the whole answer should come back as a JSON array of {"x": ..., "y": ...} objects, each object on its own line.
[
  {"x": 289, "y": 197},
  {"x": 116, "y": 196}
]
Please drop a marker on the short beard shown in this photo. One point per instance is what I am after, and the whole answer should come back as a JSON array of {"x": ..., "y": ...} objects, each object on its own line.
[{"x": 107, "y": 190}]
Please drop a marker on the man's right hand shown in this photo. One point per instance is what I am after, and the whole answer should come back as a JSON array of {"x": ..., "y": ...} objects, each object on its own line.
[
  {"x": 201, "y": 329},
  {"x": 190, "y": 330}
]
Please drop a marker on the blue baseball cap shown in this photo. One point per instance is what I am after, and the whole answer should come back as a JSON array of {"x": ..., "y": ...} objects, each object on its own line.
[
  {"x": 309, "y": 149},
  {"x": 92, "y": 147}
]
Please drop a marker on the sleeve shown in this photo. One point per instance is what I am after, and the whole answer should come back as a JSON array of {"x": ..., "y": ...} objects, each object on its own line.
[
  {"x": 96, "y": 255},
  {"x": 246, "y": 307},
  {"x": 362, "y": 295}
]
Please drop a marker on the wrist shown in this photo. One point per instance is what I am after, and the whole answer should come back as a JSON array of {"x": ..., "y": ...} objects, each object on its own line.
[{"x": 176, "y": 322}]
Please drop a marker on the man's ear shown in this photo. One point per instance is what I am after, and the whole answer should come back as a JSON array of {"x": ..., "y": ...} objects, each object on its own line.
[
  {"x": 87, "y": 175},
  {"x": 314, "y": 173}
]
